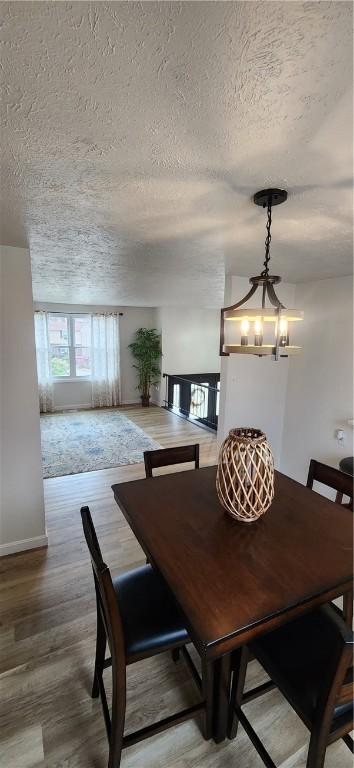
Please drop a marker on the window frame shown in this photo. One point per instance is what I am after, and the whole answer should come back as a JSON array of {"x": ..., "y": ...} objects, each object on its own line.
[{"x": 70, "y": 317}]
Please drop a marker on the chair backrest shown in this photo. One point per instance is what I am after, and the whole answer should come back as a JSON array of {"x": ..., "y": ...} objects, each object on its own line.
[
  {"x": 164, "y": 457},
  {"x": 333, "y": 478},
  {"x": 106, "y": 598}
]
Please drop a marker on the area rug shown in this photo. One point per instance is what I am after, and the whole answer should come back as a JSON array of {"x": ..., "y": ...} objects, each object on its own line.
[{"x": 89, "y": 440}]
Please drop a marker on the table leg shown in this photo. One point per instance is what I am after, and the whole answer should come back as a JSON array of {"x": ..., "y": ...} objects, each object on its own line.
[
  {"x": 222, "y": 679},
  {"x": 208, "y": 694}
]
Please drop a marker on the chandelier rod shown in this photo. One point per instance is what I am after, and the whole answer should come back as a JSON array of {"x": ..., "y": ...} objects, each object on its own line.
[
  {"x": 267, "y": 242},
  {"x": 242, "y": 301},
  {"x": 273, "y": 298}
]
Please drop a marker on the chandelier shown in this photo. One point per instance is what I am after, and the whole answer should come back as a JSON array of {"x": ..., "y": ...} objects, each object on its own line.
[{"x": 262, "y": 330}]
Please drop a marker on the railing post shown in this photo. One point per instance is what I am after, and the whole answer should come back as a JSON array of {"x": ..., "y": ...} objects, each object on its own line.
[{"x": 165, "y": 376}]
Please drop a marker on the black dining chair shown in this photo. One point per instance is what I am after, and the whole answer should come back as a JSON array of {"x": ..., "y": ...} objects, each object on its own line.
[
  {"x": 310, "y": 660},
  {"x": 165, "y": 457},
  {"x": 342, "y": 483},
  {"x": 347, "y": 465},
  {"x": 138, "y": 617},
  {"x": 339, "y": 481}
]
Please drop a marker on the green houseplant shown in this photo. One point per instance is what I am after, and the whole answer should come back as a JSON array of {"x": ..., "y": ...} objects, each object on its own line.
[{"x": 146, "y": 349}]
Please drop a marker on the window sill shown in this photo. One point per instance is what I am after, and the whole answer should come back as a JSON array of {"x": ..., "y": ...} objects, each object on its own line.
[{"x": 68, "y": 380}]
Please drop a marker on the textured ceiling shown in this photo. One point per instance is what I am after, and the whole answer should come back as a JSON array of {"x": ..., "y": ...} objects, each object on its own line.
[{"x": 134, "y": 135}]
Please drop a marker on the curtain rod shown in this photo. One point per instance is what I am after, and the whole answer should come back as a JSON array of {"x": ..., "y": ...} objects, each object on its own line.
[{"x": 78, "y": 313}]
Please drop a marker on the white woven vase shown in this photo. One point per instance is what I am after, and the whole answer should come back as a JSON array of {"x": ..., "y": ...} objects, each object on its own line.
[{"x": 245, "y": 474}]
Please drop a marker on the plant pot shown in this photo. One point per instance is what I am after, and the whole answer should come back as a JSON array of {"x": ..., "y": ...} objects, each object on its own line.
[
  {"x": 245, "y": 474},
  {"x": 145, "y": 400}
]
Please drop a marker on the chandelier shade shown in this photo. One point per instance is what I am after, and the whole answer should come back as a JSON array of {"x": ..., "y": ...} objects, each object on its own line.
[{"x": 263, "y": 329}]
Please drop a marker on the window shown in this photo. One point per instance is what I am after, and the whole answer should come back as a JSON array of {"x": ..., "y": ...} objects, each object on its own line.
[{"x": 69, "y": 346}]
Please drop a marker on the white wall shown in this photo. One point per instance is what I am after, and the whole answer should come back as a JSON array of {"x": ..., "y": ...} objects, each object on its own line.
[
  {"x": 133, "y": 318},
  {"x": 78, "y": 393},
  {"x": 190, "y": 342},
  {"x": 252, "y": 389},
  {"x": 22, "y": 523},
  {"x": 320, "y": 387}
]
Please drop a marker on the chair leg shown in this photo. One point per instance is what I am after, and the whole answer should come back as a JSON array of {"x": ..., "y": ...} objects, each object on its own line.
[
  {"x": 348, "y": 608},
  {"x": 317, "y": 752},
  {"x": 101, "y": 642},
  {"x": 239, "y": 664},
  {"x": 175, "y": 654},
  {"x": 318, "y": 743},
  {"x": 118, "y": 715},
  {"x": 349, "y": 742}
]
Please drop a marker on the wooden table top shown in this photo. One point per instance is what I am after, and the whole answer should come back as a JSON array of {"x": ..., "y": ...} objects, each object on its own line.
[{"x": 231, "y": 578}]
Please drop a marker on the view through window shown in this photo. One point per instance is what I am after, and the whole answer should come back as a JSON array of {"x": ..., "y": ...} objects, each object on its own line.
[{"x": 69, "y": 345}]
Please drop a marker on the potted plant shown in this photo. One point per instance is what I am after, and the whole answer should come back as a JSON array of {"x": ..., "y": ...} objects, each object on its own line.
[{"x": 146, "y": 349}]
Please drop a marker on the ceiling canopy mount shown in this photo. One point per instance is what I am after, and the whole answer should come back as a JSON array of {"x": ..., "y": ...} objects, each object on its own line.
[{"x": 270, "y": 196}]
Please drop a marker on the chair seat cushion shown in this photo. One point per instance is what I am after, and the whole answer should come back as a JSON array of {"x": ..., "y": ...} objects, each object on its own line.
[
  {"x": 151, "y": 619},
  {"x": 297, "y": 657}
]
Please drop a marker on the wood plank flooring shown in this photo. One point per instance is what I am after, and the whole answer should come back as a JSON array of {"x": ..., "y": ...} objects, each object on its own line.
[{"x": 47, "y": 632}]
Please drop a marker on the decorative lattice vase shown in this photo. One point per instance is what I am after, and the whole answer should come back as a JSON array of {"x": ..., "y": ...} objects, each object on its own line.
[{"x": 245, "y": 474}]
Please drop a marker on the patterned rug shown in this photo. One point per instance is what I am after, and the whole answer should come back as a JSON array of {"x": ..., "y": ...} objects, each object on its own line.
[{"x": 89, "y": 440}]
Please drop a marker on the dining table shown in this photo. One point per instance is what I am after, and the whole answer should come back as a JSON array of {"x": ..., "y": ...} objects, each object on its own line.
[{"x": 234, "y": 581}]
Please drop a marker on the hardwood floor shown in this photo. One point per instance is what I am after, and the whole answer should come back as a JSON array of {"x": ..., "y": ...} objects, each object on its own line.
[{"x": 47, "y": 631}]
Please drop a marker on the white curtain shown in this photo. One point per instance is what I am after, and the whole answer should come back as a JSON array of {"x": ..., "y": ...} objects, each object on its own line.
[
  {"x": 45, "y": 385},
  {"x": 105, "y": 360}
]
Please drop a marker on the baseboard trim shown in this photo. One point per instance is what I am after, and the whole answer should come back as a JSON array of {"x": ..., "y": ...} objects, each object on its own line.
[
  {"x": 87, "y": 406},
  {"x": 81, "y": 406},
  {"x": 21, "y": 546},
  {"x": 137, "y": 402}
]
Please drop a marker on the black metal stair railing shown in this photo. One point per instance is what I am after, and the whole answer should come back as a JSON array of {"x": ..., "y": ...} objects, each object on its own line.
[{"x": 194, "y": 397}]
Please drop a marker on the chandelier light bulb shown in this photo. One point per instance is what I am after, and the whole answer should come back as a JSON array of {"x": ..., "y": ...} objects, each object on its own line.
[
  {"x": 283, "y": 326},
  {"x": 283, "y": 332},
  {"x": 245, "y": 326},
  {"x": 258, "y": 332}
]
